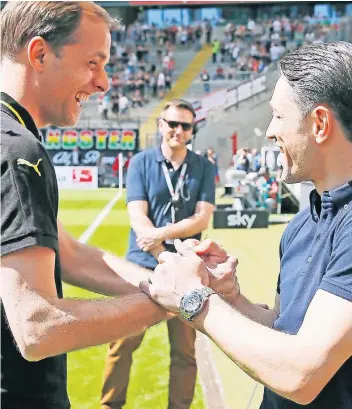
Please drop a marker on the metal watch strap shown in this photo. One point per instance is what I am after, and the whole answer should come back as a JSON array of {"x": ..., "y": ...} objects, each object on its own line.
[{"x": 206, "y": 292}]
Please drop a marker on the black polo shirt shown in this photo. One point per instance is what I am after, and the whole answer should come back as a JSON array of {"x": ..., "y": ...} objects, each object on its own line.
[{"x": 29, "y": 205}]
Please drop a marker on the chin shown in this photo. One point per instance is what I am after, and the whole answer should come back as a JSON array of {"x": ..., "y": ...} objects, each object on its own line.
[
  {"x": 70, "y": 121},
  {"x": 290, "y": 178}
]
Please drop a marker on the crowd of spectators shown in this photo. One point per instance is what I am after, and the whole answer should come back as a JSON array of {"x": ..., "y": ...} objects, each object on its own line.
[
  {"x": 142, "y": 63},
  {"x": 250, "y": 48},
  {"x": 254, "y": 185}
]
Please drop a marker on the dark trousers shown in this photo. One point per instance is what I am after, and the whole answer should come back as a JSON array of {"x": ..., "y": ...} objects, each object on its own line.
[{"x": 183, "y": 367}]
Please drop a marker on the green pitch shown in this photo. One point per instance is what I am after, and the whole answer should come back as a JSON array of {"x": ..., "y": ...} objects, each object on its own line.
[{"x": 148, "y": 389}]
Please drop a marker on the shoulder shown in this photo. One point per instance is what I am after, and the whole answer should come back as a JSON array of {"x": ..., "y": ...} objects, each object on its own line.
[
  {"x": 142, "y": 156},
  {"x": 19, "y": 143},
  {"x": 200, "y": 160}
]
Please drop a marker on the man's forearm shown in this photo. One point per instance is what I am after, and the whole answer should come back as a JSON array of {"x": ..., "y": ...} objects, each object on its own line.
[
  {"x": 76, "y": 324},
  {"x": 254, "y": 312},
  {"x": 102, "y": 272},
  {"x": 275, "y": 359},
  {"x": 186, "y": 227}
]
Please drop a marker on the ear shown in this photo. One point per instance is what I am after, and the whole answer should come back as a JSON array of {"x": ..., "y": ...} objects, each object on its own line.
[
  {"x": 36, "y": 52},
  {"x": 160, "y": 124},
  {"x": 321, "y": 123}
]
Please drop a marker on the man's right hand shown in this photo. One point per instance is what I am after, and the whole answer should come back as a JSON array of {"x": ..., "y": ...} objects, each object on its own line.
[{"x": 221, "y": 267}]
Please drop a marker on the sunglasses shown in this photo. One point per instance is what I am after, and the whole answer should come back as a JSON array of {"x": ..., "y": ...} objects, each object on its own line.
[{"x": 186, "y": 126}]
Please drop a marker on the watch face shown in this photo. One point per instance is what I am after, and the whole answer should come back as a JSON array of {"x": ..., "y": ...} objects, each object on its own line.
[{"x": 192, "y": 302}]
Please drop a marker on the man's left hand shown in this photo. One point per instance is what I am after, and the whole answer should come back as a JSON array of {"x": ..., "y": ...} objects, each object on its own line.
[
  {"x": 176, "y": 275},
  {"x": 221, "y": 268},
  {"x": 150, "y": 238}
]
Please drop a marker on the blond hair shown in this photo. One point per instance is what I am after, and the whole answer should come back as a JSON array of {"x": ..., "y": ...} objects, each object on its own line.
[{"x": 55, "y": 21}]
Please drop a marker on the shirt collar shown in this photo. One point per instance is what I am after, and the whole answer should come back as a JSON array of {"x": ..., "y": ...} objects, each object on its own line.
[
  {"x": 159, "y": 157},
  {"x": 22, "y": 112},
  {"x": 338, "y": 197}
]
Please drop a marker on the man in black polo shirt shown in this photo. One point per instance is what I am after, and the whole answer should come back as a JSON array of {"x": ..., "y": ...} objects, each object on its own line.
[
  {"x": 53, "y": 56},
  {"x": 301, "y": 350}
]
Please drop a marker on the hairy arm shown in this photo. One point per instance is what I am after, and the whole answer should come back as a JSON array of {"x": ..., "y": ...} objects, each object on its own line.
[
  {"x": 138, "y": 213},
  {"x": 44, "y": 325},
  {"x": 97, "y": 270},
  {"x": 192, "y": 225},
  {"x": 258, "y": 312},
  {"x": 295, "y": 366}
]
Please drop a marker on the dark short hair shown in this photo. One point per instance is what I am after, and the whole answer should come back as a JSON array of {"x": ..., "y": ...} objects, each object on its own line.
[
  {"x": 55, "y": 21},
  {"x": 322, "y": 73},
  {"x": 179, "y": 103}
]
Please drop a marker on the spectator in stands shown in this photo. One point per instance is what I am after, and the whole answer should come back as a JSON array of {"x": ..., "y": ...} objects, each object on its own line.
[
  {"x": 137, "y": 99},
  {"x": 242, "y": 161},
  {"x": 269, "y": 188},
  {"x": 219, "y": 75},
  {"x": 115, "y": 102},
  {"x": 256, "y": 160},
  {"x": 212, "y": 158},
  {"x": 124, "y": 104},
  {"x": 215, "y": 50},
  {"x": 205, "y": 79},
  {"x": 161, "y": 84},
  {"x": 105, "y": 106},
  {"x": 208, "y": 31},
  {"x": 128, "y": 160},
  {"x": 167, "y": 81}
]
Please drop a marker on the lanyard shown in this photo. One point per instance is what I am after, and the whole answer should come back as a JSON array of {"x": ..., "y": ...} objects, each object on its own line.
[
  {"x": 12, "y": 109},
  {"x": 173, "y": 192}
]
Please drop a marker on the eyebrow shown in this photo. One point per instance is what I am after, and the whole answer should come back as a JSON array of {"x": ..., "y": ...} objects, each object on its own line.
[{"x": 100, "y": 55}]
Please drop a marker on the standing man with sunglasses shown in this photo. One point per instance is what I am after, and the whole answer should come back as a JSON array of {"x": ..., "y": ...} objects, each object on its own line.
[{"x": 170, "y": 195}]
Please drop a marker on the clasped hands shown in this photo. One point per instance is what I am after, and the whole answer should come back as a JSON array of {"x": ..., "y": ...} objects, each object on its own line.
[
  {"x": 195, "y": 264},
  {"x": 149, "y": 238}
]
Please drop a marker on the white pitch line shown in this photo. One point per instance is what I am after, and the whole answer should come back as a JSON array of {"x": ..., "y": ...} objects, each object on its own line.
[
  {"x": 99, "y": 219},
  {"x": 210, "y": 379}
]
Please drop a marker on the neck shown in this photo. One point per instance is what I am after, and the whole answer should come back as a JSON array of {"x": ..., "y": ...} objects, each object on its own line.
[
  {"x": 175, "y": 156},
  {"x": 18, "y": 86},
  {"x": 336, "y": 169}
]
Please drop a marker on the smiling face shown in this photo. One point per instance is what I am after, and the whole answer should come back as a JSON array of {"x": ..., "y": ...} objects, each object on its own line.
[
  {"x": 292, "y": 133},
  {"x": 78, "y": 72},
  {"x": 176, "y": 137}
]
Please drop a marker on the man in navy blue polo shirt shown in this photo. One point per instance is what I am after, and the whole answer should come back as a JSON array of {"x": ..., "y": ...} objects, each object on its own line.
[
  {"x": 300, "y": 350},
  {"x": 170, "y": 194}
]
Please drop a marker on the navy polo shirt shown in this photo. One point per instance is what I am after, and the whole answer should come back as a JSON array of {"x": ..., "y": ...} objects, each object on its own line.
[
  {"x": 316, "y": 253},
  {"x": 146, "y": 181}
]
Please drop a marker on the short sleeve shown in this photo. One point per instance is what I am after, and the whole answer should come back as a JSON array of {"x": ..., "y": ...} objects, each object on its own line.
[
  {"x": 207, "y": 187},
  {"x": 135, "y": 183},
  {"x": 338, "y": 277},
  {"x": 29, "y": 196}
]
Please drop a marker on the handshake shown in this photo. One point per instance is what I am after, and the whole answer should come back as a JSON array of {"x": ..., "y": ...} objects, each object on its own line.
[{"x": 195, "y": 265}]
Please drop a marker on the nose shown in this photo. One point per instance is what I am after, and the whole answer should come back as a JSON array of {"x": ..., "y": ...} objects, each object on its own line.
[
  {"x": 270, "y": 134},
  {"x": 101, "y": 81},
  {"x": 179, "y": 129}
]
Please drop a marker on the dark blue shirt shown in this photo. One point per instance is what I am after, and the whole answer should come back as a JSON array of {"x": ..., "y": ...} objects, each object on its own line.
[
  {"x": 146, "y": 181},
  {"x": 316, "y": 253}
]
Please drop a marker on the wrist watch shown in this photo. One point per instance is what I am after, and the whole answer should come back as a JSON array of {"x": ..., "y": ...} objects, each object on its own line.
[{"x": 193, "y": 302}]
